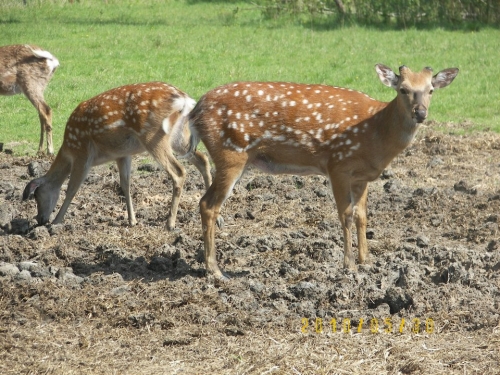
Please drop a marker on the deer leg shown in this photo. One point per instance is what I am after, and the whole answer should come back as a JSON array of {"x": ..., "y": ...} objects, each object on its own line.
[
  {"x": 48, "y": 129},
  {"x": 42, "y": 132},
  {"x": 178, "y": 175},
  {"x": 200, "y": 161},
  {"x": 158, "y": 145},
  {"x": 45, "y": 115},
  {"x": 79, "y": 172},
  {"x": 124, "y": 167},
  {"x": 359, "y": 195},
  {"x": 342, "y": 192},
  {"x": 210, "y": 205}
]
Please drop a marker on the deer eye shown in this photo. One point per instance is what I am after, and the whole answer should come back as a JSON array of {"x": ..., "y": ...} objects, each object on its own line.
[
  {"x": 403, "y": 91},
  {"x": 430, "y": 92}
]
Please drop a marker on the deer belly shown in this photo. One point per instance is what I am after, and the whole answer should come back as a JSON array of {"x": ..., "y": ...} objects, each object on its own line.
[
  {"x": 267, "y": 165},
  {"x": 126, "y": 146}
]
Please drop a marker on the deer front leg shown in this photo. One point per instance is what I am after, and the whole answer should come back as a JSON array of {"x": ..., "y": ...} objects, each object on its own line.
[
  {"x": 359, "y": 197},
  {"x": 124, "y": 167},
  {"x": 79, "y": 172},
  {"x": 343, "y": 198}
]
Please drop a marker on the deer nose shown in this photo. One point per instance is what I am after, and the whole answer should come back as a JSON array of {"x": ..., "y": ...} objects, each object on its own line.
[{"x": 420, "y": 114}]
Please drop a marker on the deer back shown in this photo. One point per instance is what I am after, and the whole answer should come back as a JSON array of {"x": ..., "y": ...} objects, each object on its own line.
[
  {"x": 119, "y": 118},
  {"x": 287, "y": 127},
  {"x": 25, "y": 65}
]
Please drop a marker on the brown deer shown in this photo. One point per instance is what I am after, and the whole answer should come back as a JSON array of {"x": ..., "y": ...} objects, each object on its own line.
[
  {"x": 28, "y": 69},
  {"x": 114, "y": 125},
  {"x": 290, "y": 128}
]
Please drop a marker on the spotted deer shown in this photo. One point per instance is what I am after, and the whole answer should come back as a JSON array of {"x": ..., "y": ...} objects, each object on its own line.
[
  {"x": 28, "y": 69},
  {"x": 302, "y": 129},
  {"x": 115, "y": 125}
]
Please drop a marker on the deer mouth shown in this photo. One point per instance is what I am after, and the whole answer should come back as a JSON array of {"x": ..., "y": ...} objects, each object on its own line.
[{"x": 420, "y": 114}]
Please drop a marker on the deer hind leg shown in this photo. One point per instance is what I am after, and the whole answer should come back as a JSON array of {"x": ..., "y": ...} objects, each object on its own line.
[
  {"x": 359, "y": 197},
  {"x": 210, "y": 205},
  {"x": 35, "y": 96},
  {"x": 178, "y": 175},
  {"x": 79, "y": 171},
  {"x": 200, "y": 161},
  {"x": 159, "y": 147},
  {"x": 124, "y": 167},
  {"x": 46, "y": 125},
  {"x": 343, "y": 198}
]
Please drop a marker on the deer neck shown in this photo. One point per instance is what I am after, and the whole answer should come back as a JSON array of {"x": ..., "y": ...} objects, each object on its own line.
[
  {"x": 59, "y": 170},
  {"x": 397, "y": 127}
]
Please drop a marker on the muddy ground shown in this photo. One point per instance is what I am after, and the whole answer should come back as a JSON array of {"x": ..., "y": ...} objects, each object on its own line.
[{"x": 95, "y": 296}]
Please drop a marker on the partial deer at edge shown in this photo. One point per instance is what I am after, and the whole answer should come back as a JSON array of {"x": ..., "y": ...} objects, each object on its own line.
[
  {"x": 28, "y": 69},
  {"x": 301, "y": 129},
  {"x": 115, "y": 125}
]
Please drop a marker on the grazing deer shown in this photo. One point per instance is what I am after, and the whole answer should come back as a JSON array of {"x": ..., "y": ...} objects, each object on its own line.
[
  {"x": 289, "y": 128},
  {"x": 113, "y": 126},
  {"x": 28, "y": 69}
]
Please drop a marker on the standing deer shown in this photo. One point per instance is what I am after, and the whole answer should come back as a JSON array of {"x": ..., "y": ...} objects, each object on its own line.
[
  {"x": 290, "y": 128},
  {"x": 28, "y": 69},
  {"x": 114, "y": 125}
]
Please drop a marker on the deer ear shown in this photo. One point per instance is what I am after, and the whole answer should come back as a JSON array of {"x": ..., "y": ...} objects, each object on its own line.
[
  {"x": 444, "y": 78},
  {"x": 387, "y": 76},
  {"x": 30, "y": 189}
]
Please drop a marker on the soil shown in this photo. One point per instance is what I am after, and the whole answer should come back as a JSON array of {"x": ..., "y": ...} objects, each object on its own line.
[{"x": 96, "y": 296}]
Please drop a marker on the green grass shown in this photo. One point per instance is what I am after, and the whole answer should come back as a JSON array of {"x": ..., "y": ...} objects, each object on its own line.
[{"x": 197, "y": 45}]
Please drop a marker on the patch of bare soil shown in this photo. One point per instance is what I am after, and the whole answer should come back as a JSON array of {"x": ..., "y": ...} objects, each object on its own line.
[{"x": 95, "y": 296}]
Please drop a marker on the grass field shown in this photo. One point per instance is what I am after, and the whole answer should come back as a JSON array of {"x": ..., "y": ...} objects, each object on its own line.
[{"x": 197, "y": 45}]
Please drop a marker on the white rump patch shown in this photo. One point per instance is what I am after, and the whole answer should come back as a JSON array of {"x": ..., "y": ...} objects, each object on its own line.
[
  {"x": 184, "y": 105},
  {"x": 52, "y": 62}
]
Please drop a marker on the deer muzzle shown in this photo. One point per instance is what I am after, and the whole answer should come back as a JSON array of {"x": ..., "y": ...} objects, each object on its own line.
[{"x": 420, "y": 113}]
